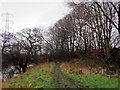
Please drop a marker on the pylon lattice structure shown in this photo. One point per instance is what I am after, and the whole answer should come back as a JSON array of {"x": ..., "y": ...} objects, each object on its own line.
[
  {"x": 7, "y": 21},
  {"x": 6, "y": 29}
]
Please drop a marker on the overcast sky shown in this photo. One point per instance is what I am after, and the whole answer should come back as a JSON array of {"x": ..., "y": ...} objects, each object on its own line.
[{"x": 33, "y": 13}]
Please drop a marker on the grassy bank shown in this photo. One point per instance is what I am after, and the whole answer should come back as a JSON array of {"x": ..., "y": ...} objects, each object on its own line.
[
  {"x": 43, "y": 76},
  {"x": 87, "y": 78},
  {"x": 94, "y": 81},
  {"x": 40, "y": 76}
]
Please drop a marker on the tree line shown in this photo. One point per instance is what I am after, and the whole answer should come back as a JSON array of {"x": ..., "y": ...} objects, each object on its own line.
[
  {"x": 21, "y": 48},
  {"x": 90, "y": 30}
]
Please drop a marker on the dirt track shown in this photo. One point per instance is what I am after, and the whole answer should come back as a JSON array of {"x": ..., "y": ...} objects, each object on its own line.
[{"x": 64, "y": 80}]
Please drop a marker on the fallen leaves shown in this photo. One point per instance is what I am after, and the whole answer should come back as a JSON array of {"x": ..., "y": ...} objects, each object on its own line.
[
  {"x": 45, "y": 76},
  {"x": 34, "y": 75},
  {"x": 9, "y": 86}
]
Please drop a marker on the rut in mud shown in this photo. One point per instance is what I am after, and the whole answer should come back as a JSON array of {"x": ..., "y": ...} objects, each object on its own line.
[{"x": 64, "y": 80}]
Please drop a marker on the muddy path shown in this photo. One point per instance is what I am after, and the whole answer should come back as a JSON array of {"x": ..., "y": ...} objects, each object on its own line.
[{"x": 64, "y": 81}]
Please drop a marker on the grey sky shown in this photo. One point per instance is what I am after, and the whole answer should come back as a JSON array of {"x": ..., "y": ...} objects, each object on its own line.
[{"x": 33, "y": 13}]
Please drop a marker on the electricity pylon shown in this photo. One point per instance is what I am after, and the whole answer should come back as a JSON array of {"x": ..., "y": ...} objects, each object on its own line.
[
  {"x": 7, "y": 20},
  {"x": 6, "y": 30}
]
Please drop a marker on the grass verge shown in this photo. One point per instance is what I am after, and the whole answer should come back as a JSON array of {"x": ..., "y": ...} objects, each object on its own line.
[
  {"x": 95, "y": 81},
  {"x": 90, "y": 80},
  {"x": 40, "y": 76}
]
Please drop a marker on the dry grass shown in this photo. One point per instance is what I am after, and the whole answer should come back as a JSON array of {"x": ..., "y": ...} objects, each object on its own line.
[
  {"x": 90, "y": 73},
  {"x": 45, "y": 67},
  {"x": 84, "y": 67},
  {"x": 0, "y": 83},
  {"x": 40, "y": 76}
]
